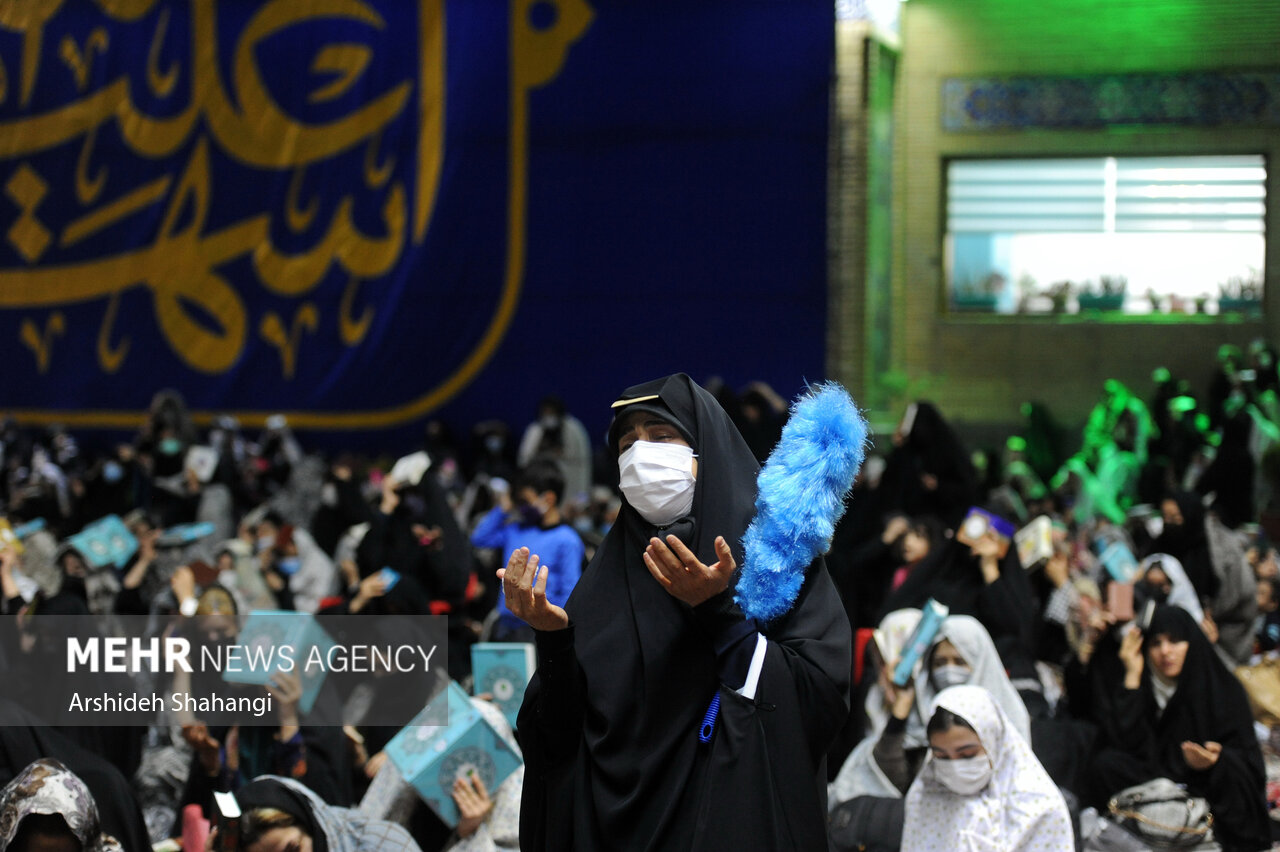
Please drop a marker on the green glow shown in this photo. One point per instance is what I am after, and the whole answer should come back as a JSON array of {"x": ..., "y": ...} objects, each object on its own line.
[{"x": 1103, "y": 36}]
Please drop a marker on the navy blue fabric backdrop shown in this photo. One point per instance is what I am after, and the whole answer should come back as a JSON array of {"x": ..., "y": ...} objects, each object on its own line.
[{"x": 364, "y": 214}]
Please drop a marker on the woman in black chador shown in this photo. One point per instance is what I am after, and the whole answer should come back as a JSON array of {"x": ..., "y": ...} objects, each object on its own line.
[
  {"x": 613, "y": 722},
  {"x": 1179, "y": 713}
]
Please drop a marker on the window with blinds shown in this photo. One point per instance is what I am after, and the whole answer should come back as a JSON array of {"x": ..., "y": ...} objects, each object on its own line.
[{"x": 1172, "y": 235}]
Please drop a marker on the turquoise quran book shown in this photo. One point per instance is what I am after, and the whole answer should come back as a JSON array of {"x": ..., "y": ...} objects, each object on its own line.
[
  {"x": 432, "y": 757},
  {"x": 281, "y": 640},
  {"x": 106, "y": 541},
  {"x": 503, "y": 670}
]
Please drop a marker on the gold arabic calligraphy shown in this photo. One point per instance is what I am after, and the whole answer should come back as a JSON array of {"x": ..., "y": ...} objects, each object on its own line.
[{"x": 201, "y": 315}]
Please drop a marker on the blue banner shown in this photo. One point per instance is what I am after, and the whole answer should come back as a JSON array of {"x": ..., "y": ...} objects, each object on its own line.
[{"x": 362, "y": 213}]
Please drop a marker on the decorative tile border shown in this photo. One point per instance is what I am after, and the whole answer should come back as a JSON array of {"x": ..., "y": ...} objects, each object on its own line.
[{"x": 1195, "y": 100}]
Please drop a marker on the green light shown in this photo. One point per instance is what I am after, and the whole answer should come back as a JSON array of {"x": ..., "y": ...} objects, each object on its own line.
[
  {"x": 1017, "y": 443},
  {"x": 1182, "y": 404}
]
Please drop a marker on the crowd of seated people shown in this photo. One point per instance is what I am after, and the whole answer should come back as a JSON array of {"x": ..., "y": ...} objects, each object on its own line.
[{"x": 1138, "y": 647}]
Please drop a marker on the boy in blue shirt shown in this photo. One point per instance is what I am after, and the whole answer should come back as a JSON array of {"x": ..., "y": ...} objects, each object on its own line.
[{"x": 533, "y": 520}]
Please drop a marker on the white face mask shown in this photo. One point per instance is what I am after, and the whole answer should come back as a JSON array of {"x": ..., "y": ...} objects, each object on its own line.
[
  {"x": 949, "y": 675},
  {"x": 657, "y": 480},
  {"x": 964, "y": 776}
]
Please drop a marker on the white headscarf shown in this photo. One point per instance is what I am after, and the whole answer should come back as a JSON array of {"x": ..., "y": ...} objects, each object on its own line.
[
  {"x": 896, "y": 628},
  {"x": 1181, "y": 594},
  {"x": 1019, "y": 809},
  {"x": 974, "y": 643},
  {"x": 861, "y": 775}
]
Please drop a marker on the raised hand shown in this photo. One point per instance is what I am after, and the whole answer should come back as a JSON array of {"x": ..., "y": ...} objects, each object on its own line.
[
  {"x": 675, "y": 567},
  {"x": 897, "y": 525},
  {"x": 286, "y": 687},
  {"x": 205, "y": 746},
  {"x": 901, "y": 699},
  {"x": 373, "y": 586},
  {"x": 1131, "y": 656},
  {"x": 373, "y": 764},
  {"x": 525, "y": 588},
  {"x": 473, "y": 804}
]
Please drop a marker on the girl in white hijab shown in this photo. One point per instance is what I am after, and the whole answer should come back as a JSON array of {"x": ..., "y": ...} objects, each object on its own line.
[
  {"x": 1178, "y": 590},
  {"x": 972, "y": 643},
  {"x": 981, "y": 788},
  {"x": 962, "y": 652},
  {"x": 895, "y": 629},
  {"x": 860, "y": 776}
]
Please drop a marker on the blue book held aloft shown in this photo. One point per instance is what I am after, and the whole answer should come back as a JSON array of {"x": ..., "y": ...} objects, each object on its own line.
[
  {"x": 106, "y": 541},
  {"x": 932, "y": 614},
  {"x": 281, "y": 640},
  {"x": 1119, "y": 562},
  {"x": 432, "y": 757},
  {"x": 503, "y": 670},
  {"x": 181, "y": 534},
  {"x": 29, "y": 529}
]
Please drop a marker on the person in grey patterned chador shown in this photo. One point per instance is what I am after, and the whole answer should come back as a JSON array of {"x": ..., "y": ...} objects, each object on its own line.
[{"x": 48, "y": 807}]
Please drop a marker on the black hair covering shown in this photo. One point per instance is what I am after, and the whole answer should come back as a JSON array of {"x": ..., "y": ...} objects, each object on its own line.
[
  {"x": 25, "y": 738},
  {"x": 931, "y": 447},
  {"x": 1188, "y": 542},
  {"x": 1230, "y": 476},
  {"x": 951, "y": 575},
  {"x": 640, "y": 779},
  {"x": 1210, "y": 705},
  {"x": 266, "y": 793}
]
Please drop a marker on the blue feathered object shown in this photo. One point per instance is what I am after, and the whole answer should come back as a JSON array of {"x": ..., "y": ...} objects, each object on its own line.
[{"x": 800, "y": 498}]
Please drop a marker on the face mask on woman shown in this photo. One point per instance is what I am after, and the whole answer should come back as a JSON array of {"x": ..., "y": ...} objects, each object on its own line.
[
  {"x": 951, "y": 675},
  {"x": 1148, "y": 592},
  {"x": 657, "y": 480},
  {"x": 964, "y": 776}
]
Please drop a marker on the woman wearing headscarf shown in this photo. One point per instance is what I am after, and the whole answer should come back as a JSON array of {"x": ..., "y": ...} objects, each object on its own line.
[
  {"x": 48, "y": 807},
  {"x": 280, "y": 814},
  {"x": 867, "y": 573},
  {"x": 1178, "y": 713},
  {"x": 489, "y": 820},
  {"x": 981, "y": 789},
  {"x": 1215, "y": 562},
  {"x": 1230, "y": 476},
  {"x": 859, "y": 775},
  {"x": 929, "y": 471},
  {"x": 1183, "y": 537},
  {"x": 613, "y": 722},
  {"x": 961, "y": 653},
  {"x": 24, "y": 739},
  {"x": 1164, "y": 580},
  {"x": 974, "y": 580},
  {"x": 224, "y": 757}
]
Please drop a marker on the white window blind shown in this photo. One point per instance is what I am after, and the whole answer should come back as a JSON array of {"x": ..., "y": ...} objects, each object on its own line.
[{"x": 1218, "y": 194}]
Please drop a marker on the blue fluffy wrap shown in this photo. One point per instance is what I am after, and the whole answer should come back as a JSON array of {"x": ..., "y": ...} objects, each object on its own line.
[{"x": 800, "y": 498}]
